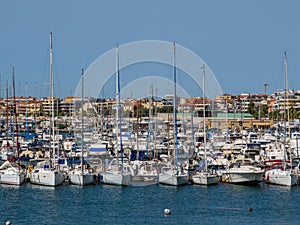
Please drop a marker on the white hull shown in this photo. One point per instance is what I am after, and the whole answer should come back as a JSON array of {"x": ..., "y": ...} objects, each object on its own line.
[
  {"x": 13, "y": 179},
  {"x": 143, "y": 173},
  {"x": 244, "y": 177},
  {"x": 10, "y": 174},
  {"x": 205, "y": 179},
  {"x": 116, "y": 178},
  {"x": 81, "y": 179},
  {"x": 173, "y": 179},
  {"x": 143, "y": 180},
  {"x": 46, "y": 177},
  {"x": 281, "y": 177}
]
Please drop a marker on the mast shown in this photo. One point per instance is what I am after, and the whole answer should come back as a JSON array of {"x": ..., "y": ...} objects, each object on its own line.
[
  {"x": 81, "y": 161},
  {"x": 192, "y": 124},
  {"x": 26, "y": 138},
  {"x": 118, "y": 111},
  {"x": 15, "y": 116},
  {"x": 138, "y": 109},
  {"x": 155, "y": 125},
  {"x": 204, "y": 118},
  {"x": 7, "y": 110},
  {"x": 288, "y": 112},
  {"x": 168, "y": 130},
  {"x": 149, "y": 118},
  {"x": 52, "y": 98},
  {"x": 227, "y": 127},
  {"x": 175, "y": 106},
  {"x": 284, "y": 110}
]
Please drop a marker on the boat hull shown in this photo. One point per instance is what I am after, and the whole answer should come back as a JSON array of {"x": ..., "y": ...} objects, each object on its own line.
[
  {"x": 116, "y": 178},
  {"x": 81, "y": 179},
  {"x": 12, "y": 179},
  {"x": 247, "y": 178},
  {"x": 10, "y": 174},
  {"x": 282, "y": 177},
  {"x": 173, "y": 179},
  {"x": 47, "y": 177},
  {"x": 205, "y": 179},
  {"x": 143, "y": 180}
]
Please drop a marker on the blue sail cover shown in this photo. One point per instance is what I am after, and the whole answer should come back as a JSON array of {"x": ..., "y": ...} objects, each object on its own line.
[
  {"x": 98, "y": 149},
  {"x": 133, "y": 155}
]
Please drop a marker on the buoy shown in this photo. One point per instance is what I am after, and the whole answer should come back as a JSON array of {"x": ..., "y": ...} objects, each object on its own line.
[
  {"x": 167, "y": 211},
  {"x": 250, "y": 209},
  {"x": 223, "y": 180},
  {"x": 7, "y": 223}
]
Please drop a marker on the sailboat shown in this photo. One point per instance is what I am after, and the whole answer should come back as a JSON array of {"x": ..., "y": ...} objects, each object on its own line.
[
  {"x": 81, "y": 176},
  {"x": 144, "y": 170},
  {"x": 44, "y": 173},
  {"x": 11, "y": 173},
  {"x": 118, "y": 171},
  {"x": 173, "y": 174},
  {"x": 282, "y": 175},
  {"x": 204, "y": 177}
]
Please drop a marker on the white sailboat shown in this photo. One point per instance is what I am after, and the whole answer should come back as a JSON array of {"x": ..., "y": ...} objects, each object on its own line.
[
  {"x": 144, "y": 172},
  {"x": 81, "y": 176},
  {"x": 283, "y": 176},
  {"x": 172, "y": 174},
  {"x": 11, "y": 173},
  {"x": 204, "y": 177},
  {"x": 118, "y": 172},
  {"x": 45, "y": 173}
]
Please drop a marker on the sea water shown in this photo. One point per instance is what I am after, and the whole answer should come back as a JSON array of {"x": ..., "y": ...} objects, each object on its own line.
[{"x": 190, "y": 204}]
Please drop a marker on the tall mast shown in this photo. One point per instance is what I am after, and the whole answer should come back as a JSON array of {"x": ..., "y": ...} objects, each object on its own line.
[
  {"x": 149, "y": 119},
  {"x": 118, "y": 111},
  {"x": 155, "y": 125},
  {"x": 82, "y": 117},
  {"x": 15, "y": 116},
  {"x": 226, "y": 107},
  {"x": 137, "y": 129},
  {"x": 51, "y": 97},
  {"x": 7, "y": 110},
  {"x": 26, "y": 125},
  {"x": 204, "y": 117},
  {"x": 175, "y": 106},
  {"x": 192, "y": 124},
  {"x": 284, "y": 109},
  {"x": 0, "y": 86}
]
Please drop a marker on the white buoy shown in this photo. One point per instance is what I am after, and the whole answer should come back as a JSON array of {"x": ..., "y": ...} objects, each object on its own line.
[
  {"x": 7, "y": 223},
  {"x": 167, "y": 211}
]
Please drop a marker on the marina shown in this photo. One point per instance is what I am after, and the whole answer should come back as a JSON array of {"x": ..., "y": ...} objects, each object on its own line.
[
  {"x": 149, "y": 112},
  {"x": 135, "y": 149},
  {"x": 106, "y": 204}
]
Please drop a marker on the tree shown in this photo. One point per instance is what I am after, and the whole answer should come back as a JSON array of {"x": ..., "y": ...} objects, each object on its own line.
[
  {"x": 165, "y": 109},
  {"x": 293, "y": 113},
  {"x": 251, "y": 108}
]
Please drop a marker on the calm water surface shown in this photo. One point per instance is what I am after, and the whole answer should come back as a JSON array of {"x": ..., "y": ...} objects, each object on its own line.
[{"x": 101, "y": 204}]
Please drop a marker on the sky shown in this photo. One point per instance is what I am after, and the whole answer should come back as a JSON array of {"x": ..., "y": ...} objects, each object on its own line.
[{"x": 243, "y": 42}]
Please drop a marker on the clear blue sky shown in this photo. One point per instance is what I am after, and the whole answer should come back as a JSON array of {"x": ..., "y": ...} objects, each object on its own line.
[{"x": 242, "y": 41}]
